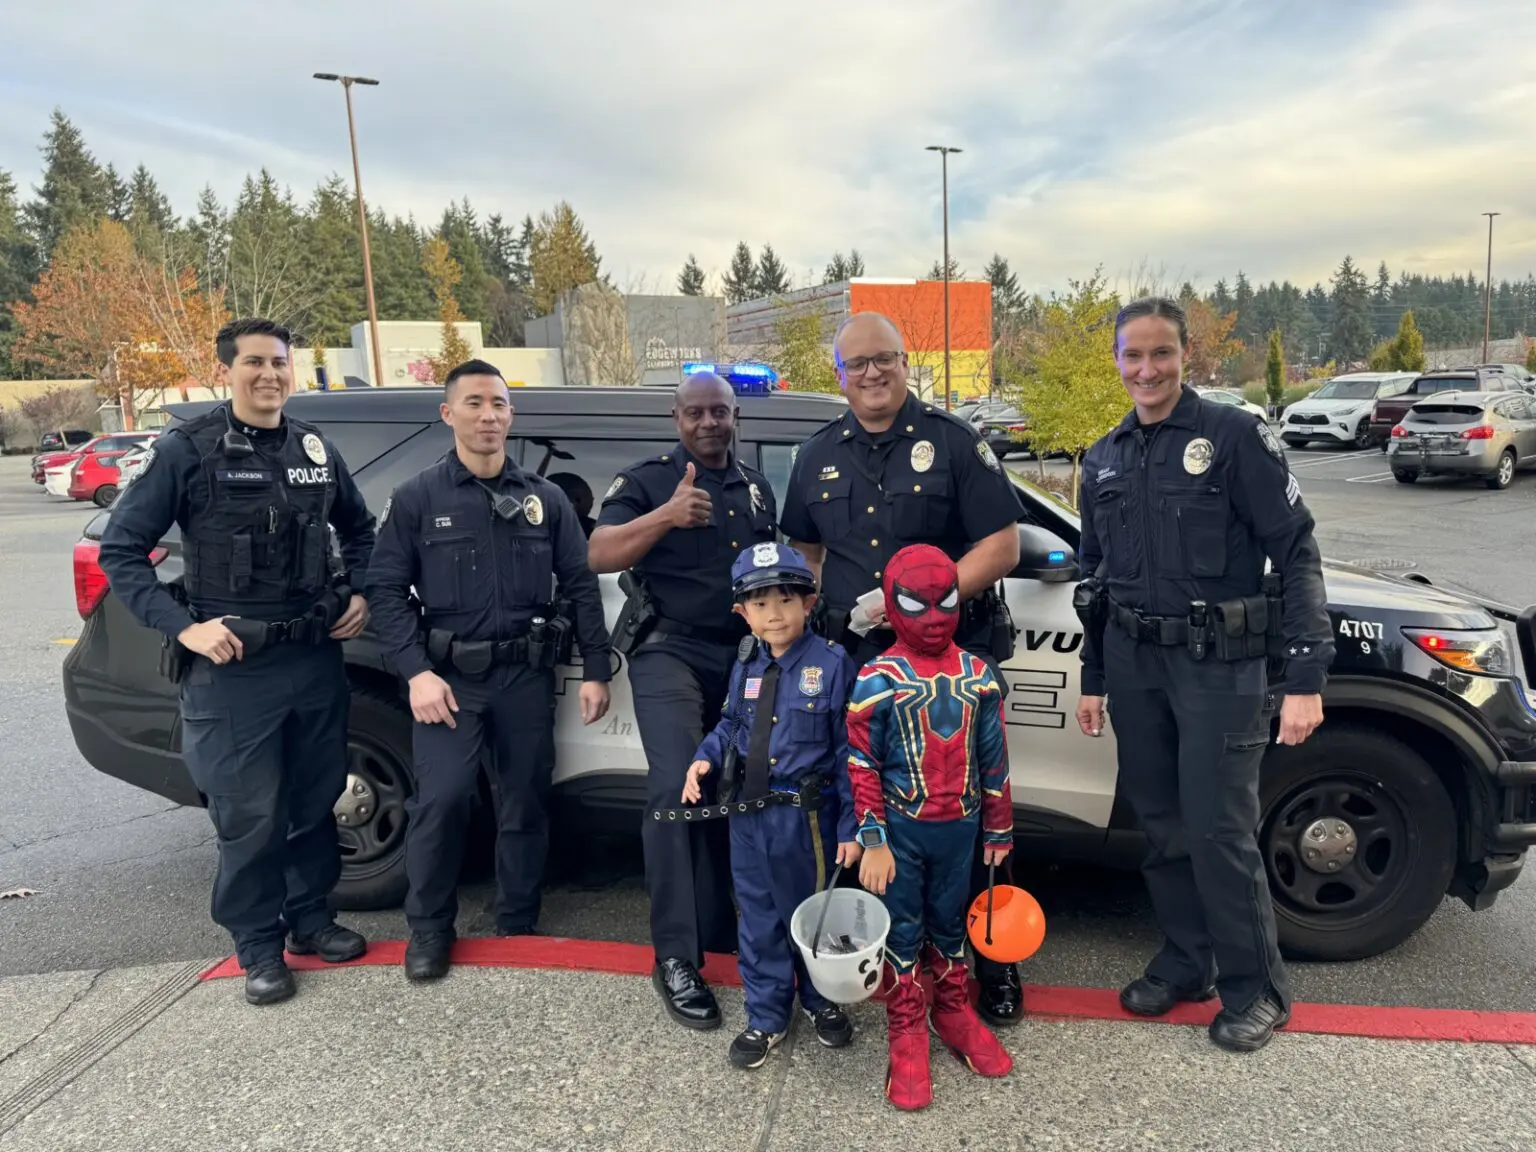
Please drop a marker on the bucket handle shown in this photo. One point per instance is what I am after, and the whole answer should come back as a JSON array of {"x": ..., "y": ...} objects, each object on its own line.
[
  {"x": 825, "y": 904},
  {"x": 991, "y": 880}
]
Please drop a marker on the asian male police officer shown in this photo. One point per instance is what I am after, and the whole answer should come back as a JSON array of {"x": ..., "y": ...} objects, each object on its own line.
[
  {"x": 895, "y": 471},
  {"x": 253, "y": 637},
  {"x": 677, "y": 522},
  {"x": 1181, "y": 504},
  {"x": 482, "y": 542}
]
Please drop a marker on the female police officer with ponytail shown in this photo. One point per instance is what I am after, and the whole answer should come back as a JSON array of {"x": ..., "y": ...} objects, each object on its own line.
[{"x": 1180, "y": 505}]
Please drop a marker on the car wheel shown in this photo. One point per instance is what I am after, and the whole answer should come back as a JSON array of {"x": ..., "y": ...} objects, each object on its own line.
[
  {"x": 1358, "y": 837},
  {"x": 1363, "y": 435},
  {"x": 1404, "y": 475},
  {"x": 104, "y": 495},
  {"x": 1504, "y": 475},
  {"x": 370, "y": 814}
]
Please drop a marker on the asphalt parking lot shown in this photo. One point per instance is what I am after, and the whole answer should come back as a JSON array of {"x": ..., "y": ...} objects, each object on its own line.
[{"x": 121, "y": 878}]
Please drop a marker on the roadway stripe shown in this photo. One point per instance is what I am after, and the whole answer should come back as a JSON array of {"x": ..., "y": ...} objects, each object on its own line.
[{"x": 1045, "y": 1001}]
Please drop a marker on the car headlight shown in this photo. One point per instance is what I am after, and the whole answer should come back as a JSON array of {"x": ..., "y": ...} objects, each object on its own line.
[{"x": 1483, "y": 652}]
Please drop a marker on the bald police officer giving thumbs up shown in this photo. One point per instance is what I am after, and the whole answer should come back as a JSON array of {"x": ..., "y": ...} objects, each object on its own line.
[{"x": 677, "y": 522}]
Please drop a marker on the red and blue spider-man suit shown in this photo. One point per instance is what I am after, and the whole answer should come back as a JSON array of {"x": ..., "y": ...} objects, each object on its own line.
[{"x": 927, "y": 759}]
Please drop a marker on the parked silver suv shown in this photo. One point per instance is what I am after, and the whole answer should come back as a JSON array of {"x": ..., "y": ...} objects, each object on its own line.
[{"x": 1488, "y": 435}]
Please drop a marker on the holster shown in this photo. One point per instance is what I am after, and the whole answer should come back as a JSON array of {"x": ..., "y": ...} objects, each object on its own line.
[
  {"x": 175, "y": 659},
  {"x": 638, "y": 615},
  {"x": 1240, "y": 628},
  {"x": 1090, "y": 600},
  {"x": 987, "y": 623}
]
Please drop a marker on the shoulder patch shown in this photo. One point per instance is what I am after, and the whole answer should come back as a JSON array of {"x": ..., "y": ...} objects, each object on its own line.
[
  {"x": 1271, "y": 444},
  {"x": 613, "y": 489},
  {"x": 149, "y": 461},
  {"x": 388, "y": 504},
  {"x": 988, "y": 457}
]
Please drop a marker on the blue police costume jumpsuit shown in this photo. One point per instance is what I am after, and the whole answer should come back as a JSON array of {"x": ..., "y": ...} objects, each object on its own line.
[
  {"x": 264, "y": 737},
  {"x": 784, "y": 854},
  {"x": 679, "y": 675},
  {"x": 1182, "y": 511},
  {"x": 481, "y": 578}
]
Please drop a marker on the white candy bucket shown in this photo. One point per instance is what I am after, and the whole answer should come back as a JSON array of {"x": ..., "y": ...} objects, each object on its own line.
[{"x": 843, "y": 977}]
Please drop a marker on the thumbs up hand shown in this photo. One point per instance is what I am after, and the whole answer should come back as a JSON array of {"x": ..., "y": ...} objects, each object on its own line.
[{"x": 689, "y": 506}]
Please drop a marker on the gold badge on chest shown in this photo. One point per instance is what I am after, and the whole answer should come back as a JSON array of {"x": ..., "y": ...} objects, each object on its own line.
[
  {"x": 922, "y": 456},
  {"x": 533, "y": 508},
  {"x": 1198, "y": 454}
]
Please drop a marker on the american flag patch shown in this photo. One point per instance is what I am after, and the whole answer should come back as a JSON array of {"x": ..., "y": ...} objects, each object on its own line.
[{"x": 754, "y": 686}]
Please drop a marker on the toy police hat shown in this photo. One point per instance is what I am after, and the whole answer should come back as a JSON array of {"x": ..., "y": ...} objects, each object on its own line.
[{"x": 770, "y": 566}]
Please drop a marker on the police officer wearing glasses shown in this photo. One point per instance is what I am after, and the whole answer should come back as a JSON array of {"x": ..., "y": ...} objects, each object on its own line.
[
  {"x": 252, "y": 636},
  {"x": 1181, "y": 505},
  {"x": 674, "y": 524},
  {"x": 482, "y": 542},
  {"x": 895, "y": 471}
]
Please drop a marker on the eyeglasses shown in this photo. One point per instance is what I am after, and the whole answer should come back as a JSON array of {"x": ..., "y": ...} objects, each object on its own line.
[{"x": 881, "y": 360}]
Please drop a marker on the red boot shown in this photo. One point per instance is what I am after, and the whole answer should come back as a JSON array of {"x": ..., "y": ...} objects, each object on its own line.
[
  {"x": 906, "y": 1082},
  {"x": 956, "y": 1021}
]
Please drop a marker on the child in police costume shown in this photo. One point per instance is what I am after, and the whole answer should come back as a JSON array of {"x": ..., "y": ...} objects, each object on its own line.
[
  {"x": 784, "y": 718},
  {"x": 927, "y": 760}
]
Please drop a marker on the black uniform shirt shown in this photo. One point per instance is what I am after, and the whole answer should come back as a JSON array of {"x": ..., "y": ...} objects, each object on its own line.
[
  {"x": 172, "y": 488},
  {"x": 928, "y": 479},
  {"x": 689, "y": 569},
  {"x": 477, "y": 575},
  {"x": 1188, "y": 510}
]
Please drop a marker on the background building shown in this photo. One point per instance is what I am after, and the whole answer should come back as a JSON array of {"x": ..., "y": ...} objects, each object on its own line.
[{"x": 603, "y": 337}]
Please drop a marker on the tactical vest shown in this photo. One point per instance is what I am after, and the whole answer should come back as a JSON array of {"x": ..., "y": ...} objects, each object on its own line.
[{"x": 257, "y": 539}]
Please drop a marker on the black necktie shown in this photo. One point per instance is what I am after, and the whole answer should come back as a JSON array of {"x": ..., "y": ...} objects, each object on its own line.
[{"x": 762, "y": 735}]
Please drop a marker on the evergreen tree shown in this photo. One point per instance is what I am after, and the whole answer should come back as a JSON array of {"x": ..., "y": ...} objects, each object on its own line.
[
  {"x": 1353, "y": 333},
  {"x": 1007, "y": 299},
  {"x": 267, "y": 268},
  {"x": 332, "y": 261},
  {"x": 1407, "y": 346},
  {"x": 837, "y": 269},
  {"x": 771, "y": 277},
  {"x": 1221, "y": 298},
  {"x": 561, "y": 257},
  {"x": 690, "y": 281},
  {"x": 855, "y": 263},
  {"x": 149, "y": 212},
  {"x": 498, "y": 246},
  {"x": 400, "y": 286},
  {"x": 1274, "y": 371},
  {"x": 462, "y": 232},
  {"x": 1242, "y": 302},
  {"x": 740, "y": 280},
  {"x": 74, "y": 191},
  {"x": 937, "y": 271},
  {"x": 18, "y": 269},
  {"x": 207, "y": 236}
]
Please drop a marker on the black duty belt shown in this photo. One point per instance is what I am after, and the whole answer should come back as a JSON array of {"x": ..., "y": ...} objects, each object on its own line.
[
  {"x": 663, "y": 626},
  {"x": 1167, "y": 631},
  {"x": 254, "y": 635},
  {"x": 808, "y": 796}
]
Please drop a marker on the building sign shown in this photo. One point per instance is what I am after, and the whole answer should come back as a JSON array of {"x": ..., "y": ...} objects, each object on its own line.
[{"x": 659, "y": 354}]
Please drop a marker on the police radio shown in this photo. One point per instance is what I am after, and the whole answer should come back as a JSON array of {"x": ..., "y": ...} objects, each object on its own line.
[{"x": 235, "y": 445}]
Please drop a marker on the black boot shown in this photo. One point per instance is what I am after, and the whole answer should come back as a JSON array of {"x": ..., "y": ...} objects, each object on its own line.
[
  {"x": 687, "y": 998},
  {"x": 427, "y": 956},
  {"x": 1250, "y": 1030},
  {"x": 1150, "y": 996},
  {"x": 1002, "y": 998},
  {"x": 333, "y": 944},
  {"x": 268, "y": 982}
]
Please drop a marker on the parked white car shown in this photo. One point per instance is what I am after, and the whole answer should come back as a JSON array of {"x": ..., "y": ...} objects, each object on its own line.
[
  {"x": 1339, "y": 412},
  {"x": 1232, "y": 400},
  {"x": 56, "y": 479}
]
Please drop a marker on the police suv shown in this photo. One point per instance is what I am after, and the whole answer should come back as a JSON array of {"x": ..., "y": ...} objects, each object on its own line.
[{"x": 1418, "y": 784}]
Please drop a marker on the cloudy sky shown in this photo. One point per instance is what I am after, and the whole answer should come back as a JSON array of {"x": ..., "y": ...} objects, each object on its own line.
[{"x": 1192, "y": 138}]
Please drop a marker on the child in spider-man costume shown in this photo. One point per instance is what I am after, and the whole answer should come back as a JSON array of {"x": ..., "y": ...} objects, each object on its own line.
[{"x": 926, "y": 761}]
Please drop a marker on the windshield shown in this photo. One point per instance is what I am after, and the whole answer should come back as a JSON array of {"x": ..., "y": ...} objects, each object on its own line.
[
  {"x": 1347, "y": 390},
  {"x": 1424, "y": 386}
]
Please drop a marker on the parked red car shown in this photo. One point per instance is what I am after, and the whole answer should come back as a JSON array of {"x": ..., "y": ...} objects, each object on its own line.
[
  {"x": 95, "y": 474},
  {"x": 112, "y": 442}
]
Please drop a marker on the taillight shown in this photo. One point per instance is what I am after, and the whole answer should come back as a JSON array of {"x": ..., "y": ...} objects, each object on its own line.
[
  {"x": 1399, "y": 430},
  {"x": 90, "y": 581},
  {"x": 1481, "y": 432}
]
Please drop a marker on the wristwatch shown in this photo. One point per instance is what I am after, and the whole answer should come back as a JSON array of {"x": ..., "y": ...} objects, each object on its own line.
[{"x": 872, "y": 836}]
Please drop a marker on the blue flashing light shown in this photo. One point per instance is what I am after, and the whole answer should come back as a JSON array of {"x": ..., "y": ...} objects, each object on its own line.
[
  {"x": 744, "y": 378},
  {"x": 1058, "y": 557}
]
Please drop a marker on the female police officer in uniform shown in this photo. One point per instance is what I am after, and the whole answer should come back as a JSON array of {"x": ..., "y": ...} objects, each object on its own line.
[
  {"x": 1181, "y": 504},
  {"x": 894, "y": 471},
  {"x": 482, "y": 542},
  {"x": 677, "y": 522}
]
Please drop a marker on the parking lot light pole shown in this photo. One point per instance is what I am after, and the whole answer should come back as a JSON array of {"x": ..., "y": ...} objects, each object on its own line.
[
  {"x": 944, "y": 152},
  {"x": 1488, "y": 287},
  {"x": 346, "y": 83}
]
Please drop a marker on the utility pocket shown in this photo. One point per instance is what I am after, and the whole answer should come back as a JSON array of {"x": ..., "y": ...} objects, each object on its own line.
[
  {"x": 447, "y": 568},
  {"x": 1195, "y": 520}
]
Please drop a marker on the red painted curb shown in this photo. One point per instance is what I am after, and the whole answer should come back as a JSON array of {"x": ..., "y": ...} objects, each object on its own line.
[{"x": 1042, "y": 1000}]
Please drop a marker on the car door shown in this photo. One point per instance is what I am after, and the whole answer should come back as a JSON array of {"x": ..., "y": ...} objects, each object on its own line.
[{"x": 1520, "y": 411}]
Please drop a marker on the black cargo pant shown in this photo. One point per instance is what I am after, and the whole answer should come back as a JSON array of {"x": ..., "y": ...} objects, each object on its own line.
[
  {"x": 679, "y": 687},
  {"x": 1190, "y": 736},
  {"x": 508, "y": 714},
  {"x": 265, "y": 741}
]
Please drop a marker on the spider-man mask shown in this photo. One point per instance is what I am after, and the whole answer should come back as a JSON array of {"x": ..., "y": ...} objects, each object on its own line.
[{"x": 922, "y": 598}]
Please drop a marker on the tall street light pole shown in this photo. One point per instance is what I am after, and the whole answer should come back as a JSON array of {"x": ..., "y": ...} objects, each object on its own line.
[
  {"x": 944, "y": 152},
  {"x": 362, "y": 219},
  {"x": 1488, "y": 287}
]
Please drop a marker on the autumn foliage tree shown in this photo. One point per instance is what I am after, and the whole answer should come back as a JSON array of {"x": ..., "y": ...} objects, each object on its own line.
[
  {"x": 562, "y": 257},
  {"x": 443, "y": 273},
  {"x": 1210, "y": 341}
]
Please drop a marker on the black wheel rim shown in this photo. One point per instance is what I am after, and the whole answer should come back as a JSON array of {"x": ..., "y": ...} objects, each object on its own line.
[
  {"x": 373, "y": 841},
  {"x": 1373, "y": 874}
]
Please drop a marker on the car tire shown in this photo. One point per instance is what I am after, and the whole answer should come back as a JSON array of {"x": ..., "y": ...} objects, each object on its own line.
[
  {"x": 104, "y": 495},
  {"x": 373, "y": 842},
  {"x": 1504, "y": 474},
  {"x": 1363, "y": 435},
  {"x": 1384, "y": 891},
  {"x": 1404, "y": 475}
]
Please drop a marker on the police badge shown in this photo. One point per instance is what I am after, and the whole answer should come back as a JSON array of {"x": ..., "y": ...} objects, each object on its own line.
[
  {"x": 810, "y": 681},
  {"x": 757, "y": 498},
  {"x": 314, "y": 448},
  {"x": 922, "y": 456},
  {"x": 533, "y": 508},
  {"x": 1197, "y": 456},
  {"x": 765, "y": 555}
]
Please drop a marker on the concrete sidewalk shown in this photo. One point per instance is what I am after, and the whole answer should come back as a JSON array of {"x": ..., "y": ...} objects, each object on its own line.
[{"x": 514, "y": 1058}]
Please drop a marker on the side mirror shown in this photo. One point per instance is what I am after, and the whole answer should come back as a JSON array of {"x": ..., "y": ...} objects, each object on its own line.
[{"x": 1045, "y": 556}]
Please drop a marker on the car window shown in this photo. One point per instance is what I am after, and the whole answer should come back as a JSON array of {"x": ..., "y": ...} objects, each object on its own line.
[
  {"x": 584, "y": 469},
  {"x": 360, "y": 444},
  {"x": 776, "y": 461}
]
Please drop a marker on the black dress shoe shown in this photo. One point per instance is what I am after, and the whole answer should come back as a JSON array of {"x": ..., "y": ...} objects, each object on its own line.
[
  {"x": 1150, "y": 996},
  {"x": 1002, "y": 999},
  {"x": 1251, "y": 1030},
  {"x": 518, "y": 932},
  {"x": 687, "y": 998},
  {"x": 428, "y": 955},
  {"x": 268, "y": 982},
  {"x": 333, "y": 944}
]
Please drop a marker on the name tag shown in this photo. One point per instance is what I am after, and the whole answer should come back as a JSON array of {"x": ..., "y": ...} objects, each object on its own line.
[
  {"x": 308, "y": 477},
  {"x": 244, "y": 476}
]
